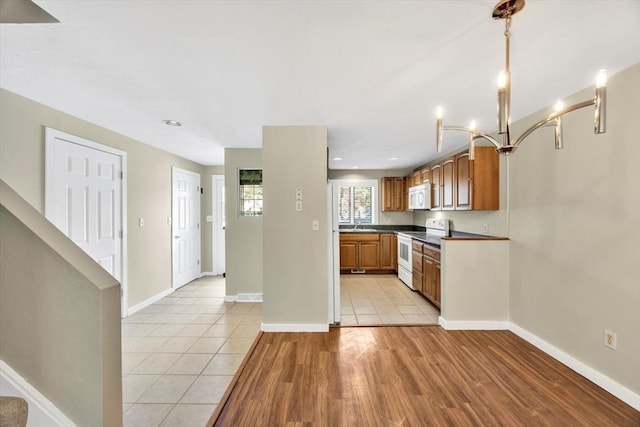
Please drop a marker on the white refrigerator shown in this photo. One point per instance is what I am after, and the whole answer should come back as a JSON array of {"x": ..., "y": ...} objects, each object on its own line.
[{"x": 334, "y": 255}]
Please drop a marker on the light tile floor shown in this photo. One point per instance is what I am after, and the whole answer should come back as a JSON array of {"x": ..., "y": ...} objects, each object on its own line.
[
  {"x": 180, "y": 354},
  {"x": 382, "y": 300}
]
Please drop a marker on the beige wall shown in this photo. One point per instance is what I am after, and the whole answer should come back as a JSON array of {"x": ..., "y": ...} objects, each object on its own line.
[
  {"x": 22, "y": 123},
  {"x": 385, "y": 218},
  {"x": 575, "y": 233},
  {"x": 59, "y": 317},
  {"x": 243, "y": 234},
  {"x": 475, "y": 278},
  {"x": 295, "y": 255}
]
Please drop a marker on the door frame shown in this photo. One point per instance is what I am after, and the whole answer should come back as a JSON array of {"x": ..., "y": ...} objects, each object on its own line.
[
  {"x": 49, "y": 199},
  {"x": 216, "y": 226}
]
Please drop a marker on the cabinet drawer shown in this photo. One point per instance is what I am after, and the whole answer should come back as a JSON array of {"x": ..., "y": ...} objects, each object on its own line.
[
  {"x": 416, "y": 261},
  {"x": 431, "y": 253},
  {"x": 416, "y": 246},
  {"x": 359, "y": 237}
]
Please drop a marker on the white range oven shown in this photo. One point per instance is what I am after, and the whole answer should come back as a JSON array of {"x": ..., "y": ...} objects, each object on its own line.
[{"x": 404, "y": 260}]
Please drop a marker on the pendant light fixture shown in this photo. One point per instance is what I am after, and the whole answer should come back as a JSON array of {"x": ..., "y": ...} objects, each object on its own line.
[{"x": 505, "y": 9}]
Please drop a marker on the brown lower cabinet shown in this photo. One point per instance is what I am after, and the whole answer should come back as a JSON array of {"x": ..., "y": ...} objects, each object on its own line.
[
  {"x": 426, "y": 272},
  {"x": 368, "y": 252}
]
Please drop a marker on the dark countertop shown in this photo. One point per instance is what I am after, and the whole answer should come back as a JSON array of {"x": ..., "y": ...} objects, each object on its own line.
[{"x": 416, "y": 232}]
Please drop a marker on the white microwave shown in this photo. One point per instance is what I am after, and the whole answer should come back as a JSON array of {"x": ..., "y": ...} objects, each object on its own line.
[{"x": 420, "y": 196}]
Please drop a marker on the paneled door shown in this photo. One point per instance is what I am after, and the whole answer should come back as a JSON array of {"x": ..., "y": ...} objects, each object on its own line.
[
  {"x": 219, "y": 221},
  {"x": 185, "y": 226},
  {"x": 84, "y": 198}
]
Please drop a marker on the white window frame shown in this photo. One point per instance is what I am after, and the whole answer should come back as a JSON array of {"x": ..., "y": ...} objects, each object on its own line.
[{"x": 362, "y": 183}]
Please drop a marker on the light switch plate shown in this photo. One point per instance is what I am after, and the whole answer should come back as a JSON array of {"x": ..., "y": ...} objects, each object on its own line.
[
  {"x": 315, "y": 225},
  {"x": 299, "y": 206}
]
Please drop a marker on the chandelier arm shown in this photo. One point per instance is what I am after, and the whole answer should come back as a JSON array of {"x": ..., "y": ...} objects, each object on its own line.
[
  {"x": 551, "y": 117},
  {"x": 475, "y": 132}
]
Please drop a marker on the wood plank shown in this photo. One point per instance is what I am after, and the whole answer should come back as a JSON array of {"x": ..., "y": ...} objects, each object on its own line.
[{"x": 413, "y": 376}]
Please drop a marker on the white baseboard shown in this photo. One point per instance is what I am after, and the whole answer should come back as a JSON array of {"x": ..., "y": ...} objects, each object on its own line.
[
  {"x": 149, "y": 301},
  {"x": 208, "y": 273},
  {"x": 244, "y": 297},
  {"x": 618, "y": 390},
  {"x": 249, "y": 297},
  {"x": 41, "y": 411},
  {"x": 294, "y": 327},
  {"x": 473, "y": 325}
]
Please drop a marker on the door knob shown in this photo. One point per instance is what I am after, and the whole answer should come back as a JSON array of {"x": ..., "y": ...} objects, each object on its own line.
[{"x": 176, "y": 237}]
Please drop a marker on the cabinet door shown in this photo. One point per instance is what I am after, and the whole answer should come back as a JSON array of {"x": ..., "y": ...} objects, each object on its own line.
[
  {"x": 417, "y": 281},
  {"x": 448, "y": 188},
  {"x": 387, "y": 194},
  {"x": 464, "y": 182},
  {"x": 388, "y": 250},
  {"x": 436, "y": 283},
  {"x": 348, "y": 255},
  {"x": 427, "y": 287},
  {"x": 436, "y": 190},
  {"x": 407, "y": 184},
  {"x": 417, "y": 178},
  {"x": 369, "y": 255},
  {"x": 425, "y": 175},
  {"x": 398, "y": 194}
]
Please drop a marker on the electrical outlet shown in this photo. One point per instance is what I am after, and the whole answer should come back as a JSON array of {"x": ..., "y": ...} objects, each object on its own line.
[
  {"x": 610, "y": 339},
  {"x": 485, "y": 228}
]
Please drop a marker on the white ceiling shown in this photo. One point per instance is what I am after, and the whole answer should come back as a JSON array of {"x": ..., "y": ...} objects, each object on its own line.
[{"x": 373, "y": 72}]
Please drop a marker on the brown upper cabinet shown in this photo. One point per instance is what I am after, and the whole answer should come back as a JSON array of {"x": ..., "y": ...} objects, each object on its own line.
[
  {"x": 460, "y": 184},
  {"x": 477, "y": 181},
  {"x": 393, "y": 198}
]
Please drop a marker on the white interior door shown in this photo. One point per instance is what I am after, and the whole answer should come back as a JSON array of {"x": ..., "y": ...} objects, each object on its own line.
[
  {"x": 219, "y": 221},
  {"x": 84, "y": 198},
  {"x": 185, "y": 226}
]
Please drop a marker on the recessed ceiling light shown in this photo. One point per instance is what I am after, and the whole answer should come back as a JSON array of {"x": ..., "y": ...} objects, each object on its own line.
[
  {"x": 393, "y": 159},
  {"x": 172, "y": 123},
  {"x": 337, "y": 159},
  {"x": 354, "y": 167}
]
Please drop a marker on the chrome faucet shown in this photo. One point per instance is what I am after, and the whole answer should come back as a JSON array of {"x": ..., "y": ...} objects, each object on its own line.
[{"x": 357, "y": 224}]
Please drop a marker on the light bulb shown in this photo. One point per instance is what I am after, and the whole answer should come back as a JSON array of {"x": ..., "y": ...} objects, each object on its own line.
[
  {"x": 601, "y": 78},
  {"x": 502, "y": 80},
  {"x": 439, "y": 112},
  {"x": 472, "y": 125},
  {"x": 559, "y": 105}
]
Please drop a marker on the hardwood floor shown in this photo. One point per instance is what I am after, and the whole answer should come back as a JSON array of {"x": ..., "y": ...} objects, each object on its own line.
[{"x": 412, "y": 376}]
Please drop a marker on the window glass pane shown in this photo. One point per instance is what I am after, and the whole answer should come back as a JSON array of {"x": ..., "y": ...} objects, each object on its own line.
[
  {"x": 250, "y": 192},
  {"x": 355, "y": 204}
]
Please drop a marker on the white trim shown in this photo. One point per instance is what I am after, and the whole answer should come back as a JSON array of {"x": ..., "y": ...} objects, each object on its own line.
[
  {"x": 39, "y": 406},
  {"x": 150, "y": 301},
  {"x": 294, "y": 327},
  {"x": 230, "y": 298},
  {"x": 208, "y": 273},
  {"x": 249, "y": 297},
  {"x": 471, "y": 325},
  {"x": 50, "y": 135},
  {"x": 618, "y": 390}
]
